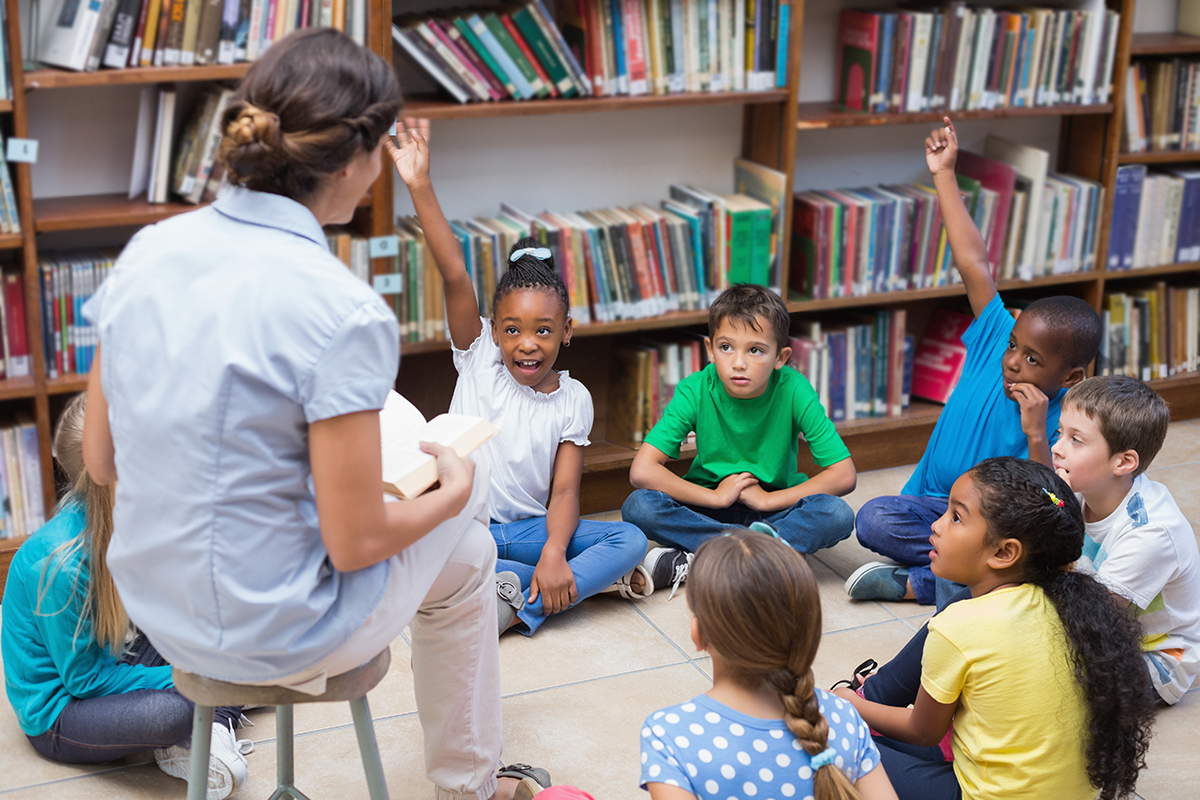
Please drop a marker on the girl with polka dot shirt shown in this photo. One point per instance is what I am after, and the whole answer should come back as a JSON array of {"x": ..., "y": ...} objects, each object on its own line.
[{"x": 763, "y": 731}]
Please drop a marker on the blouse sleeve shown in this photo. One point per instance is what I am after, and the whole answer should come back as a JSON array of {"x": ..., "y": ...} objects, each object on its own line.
[
  {"x": 482, "y": 353},
  {"x": 580, "y": 415},
  {"x": 357, "y": 367}
]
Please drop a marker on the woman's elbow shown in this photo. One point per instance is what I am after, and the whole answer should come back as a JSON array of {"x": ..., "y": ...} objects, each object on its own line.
[{"x": 101, "y": 470}]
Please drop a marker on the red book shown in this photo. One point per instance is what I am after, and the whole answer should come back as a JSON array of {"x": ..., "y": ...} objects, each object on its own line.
[
  {"x": 528, "y": 53},
  {"x": 135, "y": 50},
  {"x": 14, "y": 312},
  {"x": 470, "y": 60},
  {"x": 858, "y": 59},
  {"x": 806, "y": 246},
  {"x": 940, "y": 356},
  {"x": 635, "y": 46},
  {"x": 1000, "y": 178},
  {"x": 900, "y": 48},
  {"x": 896, "y": 362}
]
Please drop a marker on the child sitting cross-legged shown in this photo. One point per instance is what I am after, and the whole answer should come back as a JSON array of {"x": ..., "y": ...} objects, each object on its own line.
[
  {"x": 506, "y": 374},
  {"x": 763, "y": 730},
  {"x": 748, "y": 409},
  {"x": 1041, "y": 672},
  {"x": 1006, "y": 402},
  {"x": 1137, "y": 542}
]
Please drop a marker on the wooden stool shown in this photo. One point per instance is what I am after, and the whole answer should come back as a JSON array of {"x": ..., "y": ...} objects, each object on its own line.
[{"x": 351, "y": 686}]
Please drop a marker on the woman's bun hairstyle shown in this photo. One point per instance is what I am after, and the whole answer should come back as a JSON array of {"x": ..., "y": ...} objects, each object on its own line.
[{"x": 309, "y": 105}]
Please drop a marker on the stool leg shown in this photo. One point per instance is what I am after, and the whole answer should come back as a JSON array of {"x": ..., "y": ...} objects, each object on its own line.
[
  {"x": 202, "y": 719},
  {"x": 369, "y": 748},
  {"x": 284, "y": 765}
]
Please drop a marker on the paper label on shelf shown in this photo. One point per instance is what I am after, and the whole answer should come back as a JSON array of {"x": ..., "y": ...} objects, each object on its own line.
[
  {"x": 383, "y": 246},
  {"x": 387, "y": 284},
  {"x": 24, "y": 150},
  {"x": 676, "y": 83}
]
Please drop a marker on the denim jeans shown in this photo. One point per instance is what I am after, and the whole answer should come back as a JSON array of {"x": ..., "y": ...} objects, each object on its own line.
[
  {"x": 598, "y": 554},
  {"x": 899, "y": 527},
  {"x": 98, "y": 729},
  {"x": 816, "y": 522},
  {"x": 918, "y": 773}
]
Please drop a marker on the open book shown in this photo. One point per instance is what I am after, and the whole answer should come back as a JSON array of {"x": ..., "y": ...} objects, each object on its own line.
[{"x": 407, "y": 471}]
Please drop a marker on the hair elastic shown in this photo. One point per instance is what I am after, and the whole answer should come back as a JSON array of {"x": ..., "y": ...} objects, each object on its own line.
[
  {"x": 540, "y": 253},
  {"x": 1054, "y": 498},
  {"x": 823, "y": 758}
]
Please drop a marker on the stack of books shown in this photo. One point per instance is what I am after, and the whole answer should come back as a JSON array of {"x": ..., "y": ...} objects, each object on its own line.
[
  {"x": 600, "y": 47},
  {"x": 1162, "y": 106},
  {"x": 1155, "y": 218},
  {"x": 1153, "y": 333},
  {"x": 855, "y": 242},
  {"x": 10, "y": 217},
  {"x": 22, "y": 505},
  {"x": 143, "y": 33},
  {"x": 185, "y": 165},
  {"x": 643, "y": 381},
  {"x": 68, "y": 280},
  {"x": 955, "y": 58}
]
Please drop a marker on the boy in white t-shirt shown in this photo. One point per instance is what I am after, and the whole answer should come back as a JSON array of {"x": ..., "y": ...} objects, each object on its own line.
[{"x": 1138, "y": 543}]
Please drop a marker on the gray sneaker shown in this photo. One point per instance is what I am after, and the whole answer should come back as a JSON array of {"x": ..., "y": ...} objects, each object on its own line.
[
  {"x": 509, "y": 600},
  {"x": 876, "y": 580}
]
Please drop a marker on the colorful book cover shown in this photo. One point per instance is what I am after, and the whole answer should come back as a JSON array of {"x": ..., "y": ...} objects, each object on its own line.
[
  {"x": 858, "y": 51},
  {"x": 940, "y": 356}
]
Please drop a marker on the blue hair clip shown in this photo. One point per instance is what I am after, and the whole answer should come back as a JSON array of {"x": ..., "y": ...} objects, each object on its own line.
[
  {"x": 540, "y": 253},
  {"x": 823, "y": 758}
]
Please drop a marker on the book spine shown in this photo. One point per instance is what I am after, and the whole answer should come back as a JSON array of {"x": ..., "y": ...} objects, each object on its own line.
[
  {"x": 116, "y": 52},
  {"x": 474, "y": 44},
  {"x": 501, "y": 55},
  {"x": 527, "y": 54},
  {"x": 540, "y": 46},
  {"x": 462, "y": 48},
  {"x": 227, "y": 36},
  {"x": 501, "y": 34}
]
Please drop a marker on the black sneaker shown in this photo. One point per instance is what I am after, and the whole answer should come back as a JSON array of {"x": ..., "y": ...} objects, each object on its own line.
[{"x": 667, "y": 565}]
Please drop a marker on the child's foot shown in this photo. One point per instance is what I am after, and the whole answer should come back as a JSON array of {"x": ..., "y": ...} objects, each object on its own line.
[
  {"x": 227, "y": 768},
  {"x": 509, "y": 600},
  {"x": 667, "y": 565},
  {"x": 876, "y": 580},
  {"x": 633, "y": 585}
]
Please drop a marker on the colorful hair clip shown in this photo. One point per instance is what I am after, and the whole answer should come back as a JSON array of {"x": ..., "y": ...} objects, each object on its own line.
[
  {"x": 540, "y": 253},
  {"x": 1054, "y": 498},
  {"x": 823, "y": 758}
]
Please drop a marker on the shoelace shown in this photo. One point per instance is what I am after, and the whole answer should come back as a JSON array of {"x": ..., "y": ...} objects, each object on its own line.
[
  {"x": 681, "y": 573},
  {"x": 243, "y": 746}
]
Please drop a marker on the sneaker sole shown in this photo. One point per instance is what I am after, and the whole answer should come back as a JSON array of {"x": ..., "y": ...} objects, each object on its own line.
[{"x": 857, "y": 575}]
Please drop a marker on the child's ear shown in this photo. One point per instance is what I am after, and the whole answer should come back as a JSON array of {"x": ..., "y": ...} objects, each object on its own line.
[
  {"x": 1008, "y": 554},
  {"x": 1125, "y": 463},
  {"x": 1073, "y": 377},
  {"x": 785, "y": 355},
  {"x": 708, "y": 348},
  {"x": 492, "y": 327},
  {"x": 697, "y": 637}
]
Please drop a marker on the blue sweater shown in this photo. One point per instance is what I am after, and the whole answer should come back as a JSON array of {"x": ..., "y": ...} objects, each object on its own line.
[{"x": 45, "y": 665}]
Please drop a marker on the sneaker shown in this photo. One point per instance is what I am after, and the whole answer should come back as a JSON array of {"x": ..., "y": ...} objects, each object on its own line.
[
  {"x": 667, "y": 565},
  {"x": 876, "y": 580},
  {"x": 764, "y": 527},
  {"x": 227, "y": 768},
  {"x": 510, "y": 598}
]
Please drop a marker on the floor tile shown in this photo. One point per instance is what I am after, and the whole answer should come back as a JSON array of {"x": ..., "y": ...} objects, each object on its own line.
[
  {"x": 1182, "y": 481},
  {"x": 1182, "y": 446},
  {"x": 839, "y": 612},
  {"x": 1172, "y": 764},
  {"x": 841, "y": 652},
  {"x": 875, "y": 483},
  {"x": 671, "y": 617}
]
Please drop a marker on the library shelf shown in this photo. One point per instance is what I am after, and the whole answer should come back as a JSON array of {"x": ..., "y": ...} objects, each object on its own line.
[
  {"x": 6, "y": 106},
  {"x": 17, "y": 388},
  {"x": 602, "y": 455},
  {"x": 911, "y": 295},
  {"x": 824, "y": 114},
  {"x": 1159, "y": 157},
  {"x": 1151, "y": 272},
  {"x": 1182, "y": 393},
  {"x": 11, "y": 241},
  {"x": 440, "y": 109},
  {"x": 51, "y": 78},
  {"x": 1163, "y": 44},
  {"x": 70, "y": 383}
]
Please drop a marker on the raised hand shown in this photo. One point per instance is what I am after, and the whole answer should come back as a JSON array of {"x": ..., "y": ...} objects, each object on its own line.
[
  {"x": 941, "y": 148},
  {"x": 410, "y": 151}
]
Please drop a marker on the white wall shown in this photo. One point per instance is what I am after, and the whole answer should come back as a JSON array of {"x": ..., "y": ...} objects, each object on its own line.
[{"x": 567, "y": 161}]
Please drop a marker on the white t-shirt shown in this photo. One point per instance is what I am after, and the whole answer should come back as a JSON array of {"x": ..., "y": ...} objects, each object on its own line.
[
  {"x": 1145, "y": 551},
  {"x": 531, "y": 424}
]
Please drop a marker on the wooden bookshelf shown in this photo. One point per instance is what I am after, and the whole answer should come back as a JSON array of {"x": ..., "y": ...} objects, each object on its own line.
[
  {"x": 821, "y": 115},
  {"x": 53, "y": 78},
  {"x": 1163, "y": 44},
  {"x": 1187, "y": 268},
  {"x": 6, "y": 106},
  {"x": 17, "y": 388},
  {"x": 1160, "y": 157},
  {"x": 438, "y": 109},
  {"x": 11, "y": 241}
]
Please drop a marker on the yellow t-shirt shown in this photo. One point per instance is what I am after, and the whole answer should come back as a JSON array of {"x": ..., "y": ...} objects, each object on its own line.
[{"x": 1021, "y": 726}]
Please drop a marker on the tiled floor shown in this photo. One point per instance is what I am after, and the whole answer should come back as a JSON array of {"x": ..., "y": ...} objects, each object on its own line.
[{"x": 575, "y": 695}]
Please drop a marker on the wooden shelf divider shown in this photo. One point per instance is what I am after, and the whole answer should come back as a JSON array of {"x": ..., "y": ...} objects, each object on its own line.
[
  {"x": 1159, "y": 157},
  {"x": 820, "y": 115},
  {"x": 1164, "y": 44},
  {"x": 441, "y": 109}
]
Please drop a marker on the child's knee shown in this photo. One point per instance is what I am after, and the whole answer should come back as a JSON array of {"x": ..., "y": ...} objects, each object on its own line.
[
  {"x": 640, "y": 506},
  {"x": 869, "y": 524},
  {"x": 837, "y": 515},
  {"x": 631, "y": 539}
]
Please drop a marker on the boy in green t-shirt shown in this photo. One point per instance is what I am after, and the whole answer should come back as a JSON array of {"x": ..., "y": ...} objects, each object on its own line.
[{"x": 748, "y": 409}]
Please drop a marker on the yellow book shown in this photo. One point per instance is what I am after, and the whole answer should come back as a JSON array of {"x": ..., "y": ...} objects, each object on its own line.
[{"x": 407, "y": 470}]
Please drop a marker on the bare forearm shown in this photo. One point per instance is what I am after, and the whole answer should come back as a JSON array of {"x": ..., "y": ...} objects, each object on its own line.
[
  {"x": 388, "y": 530},
  {"x": 894, "y": 722},
  {"x": 461, "y": 305},
  {"x": 657, "y": 478},
  {"x": 966, "y": 243},
  {"x": 562, "y": 519},
  {"x": 1039, "y": 450},
  {"x": 837, "y": 479},
  {"x": 99, "y": 454}
]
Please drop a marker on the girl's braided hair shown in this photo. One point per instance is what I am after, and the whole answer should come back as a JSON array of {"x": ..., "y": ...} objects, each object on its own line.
[
  {"x": 1027, "y": 501},
  {"x": 530, "y": 272},
  {"x": 757, "y": 605}
]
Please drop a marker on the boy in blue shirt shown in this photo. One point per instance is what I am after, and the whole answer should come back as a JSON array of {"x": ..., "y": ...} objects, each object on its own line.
[
  {"x": 1014, "y": 413},
  {"x": 748, "y": 409}
]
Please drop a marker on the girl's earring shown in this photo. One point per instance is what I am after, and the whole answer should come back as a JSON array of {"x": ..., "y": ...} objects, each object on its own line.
[{"x": 566, "y": 343}]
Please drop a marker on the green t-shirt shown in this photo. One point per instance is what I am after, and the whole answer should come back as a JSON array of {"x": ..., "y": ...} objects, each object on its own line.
[{"x": 759, "y": 435}]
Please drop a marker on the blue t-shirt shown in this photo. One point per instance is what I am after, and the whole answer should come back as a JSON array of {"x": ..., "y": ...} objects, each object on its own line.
[
  {"x": 978, "y": 421},
  {"x": 712, "y": 751}
]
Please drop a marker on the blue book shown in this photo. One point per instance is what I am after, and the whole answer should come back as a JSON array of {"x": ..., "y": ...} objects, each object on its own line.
[
  {"x": 695, "y": 225},
  {"x": 879, "y": 372},
  {"x": 781, "y": 46},
  {"x": 1129, "y": 213},
  {"x": 618, "y": 33},
  {"x": 501, "y": 55},
  {"x": 910, "y": 346},
  {"x": 1188, "y": 247},
  {"x": 837, "y": 375},
  {"x": 864, "y": 334},
  {"x": 1120, "y": 201},
  {"x": 883, "y": 72}
]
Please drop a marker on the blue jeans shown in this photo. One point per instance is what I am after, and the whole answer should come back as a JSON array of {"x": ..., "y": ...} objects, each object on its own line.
[
  {"x": 100, "y": 729},
  {"x": 599, "y": 553},
  {"x": 816, "y": 522},
  {"x": 899, "y": 527},
  {"x": 918, "y": 773}
]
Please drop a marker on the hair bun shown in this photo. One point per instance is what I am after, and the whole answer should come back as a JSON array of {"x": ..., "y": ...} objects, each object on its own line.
[{"x": 254, "y": 125}]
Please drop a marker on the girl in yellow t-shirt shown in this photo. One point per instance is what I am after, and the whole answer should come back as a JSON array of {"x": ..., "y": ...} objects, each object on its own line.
[{"x": 1039, "y": 670}]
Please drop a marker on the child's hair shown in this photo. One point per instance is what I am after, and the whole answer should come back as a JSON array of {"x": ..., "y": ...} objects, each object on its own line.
[
  {"x": 310, "y": 104},
  {"x": 746, "y": 303},
  {"x": 1131, "y": 415},
  {"x": 1104, "y": 639},
  {"x": 1073, "y": 323},
  {"x": 757, "y": 605},
  {"x": 531, "y": 272},
  {"x": 102, "y": 605}
]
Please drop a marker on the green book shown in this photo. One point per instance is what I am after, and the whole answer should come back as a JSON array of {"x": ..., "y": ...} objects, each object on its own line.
[
  {"x": 541, "y": 47},
  {"x": 506, "y": 41},
  {"x": 486, "y": 55},
  {"x": 749, "y": 224}
]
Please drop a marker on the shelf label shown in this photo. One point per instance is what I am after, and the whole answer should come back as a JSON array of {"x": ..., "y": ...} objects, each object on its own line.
[
  {"x": 387, "y": 284},
  {"x": 384, "y": 246},
  {"x": 24, "y": 150}
]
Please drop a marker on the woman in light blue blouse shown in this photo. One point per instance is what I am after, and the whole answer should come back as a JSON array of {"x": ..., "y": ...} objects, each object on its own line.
[{"x": 235, "y": 392}]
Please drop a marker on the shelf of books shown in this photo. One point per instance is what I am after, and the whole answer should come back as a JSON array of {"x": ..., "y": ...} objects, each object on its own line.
[
  {"x": 821, "y": 115},
  {"x": 434, "y": 109},
  {"x": 51, "y": 78}
]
